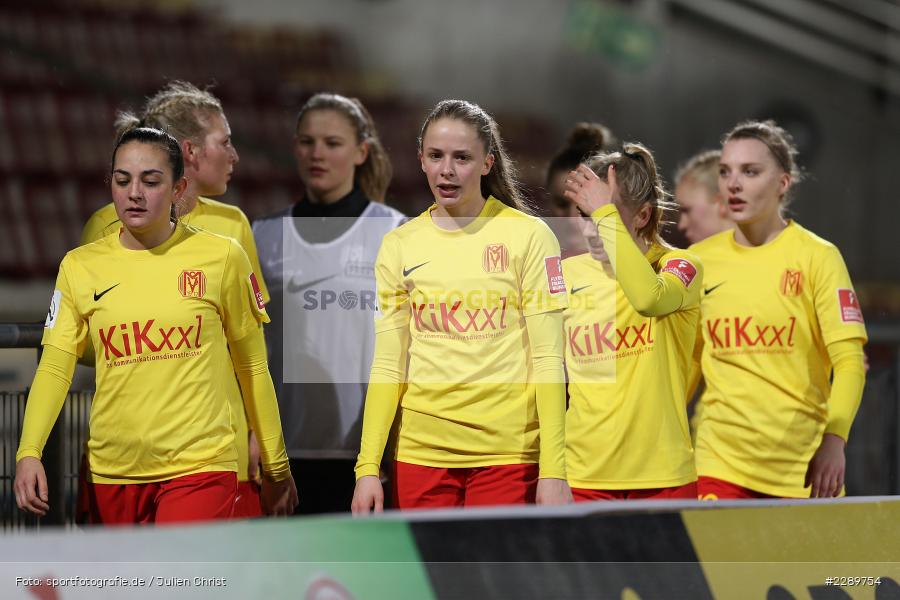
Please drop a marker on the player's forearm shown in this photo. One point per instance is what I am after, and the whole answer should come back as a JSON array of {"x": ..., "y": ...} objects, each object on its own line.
[
  {"x": 382, "y": 398},
  {"x": 249, "y": 358},
  {"x": 546, "y": 343},
  {"x": 45, "y": 400},
  {"x": 846, "y": 387},
  {"x": 650, "y": 294}
]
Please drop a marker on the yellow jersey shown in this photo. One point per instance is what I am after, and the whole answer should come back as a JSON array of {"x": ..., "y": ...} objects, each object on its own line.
[
  {"x": 469, "y": 396},
  {"x": 767, "y": 315},
  {"x": 222, "y": 219},
  {"x": 158, "y": 321},
  {"x": 630, "y": 330}
]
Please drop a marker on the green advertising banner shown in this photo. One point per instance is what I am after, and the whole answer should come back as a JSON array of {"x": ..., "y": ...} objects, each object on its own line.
[{"x": 307, "y": 559}]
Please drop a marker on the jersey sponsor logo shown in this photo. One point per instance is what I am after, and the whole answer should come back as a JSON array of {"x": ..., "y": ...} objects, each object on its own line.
[
  {"x": 103, "y": 293},
  {"x": 849, "y": 305},
  {"x": 257, "y": 294},
  {"x": 442, "y": 317},
  {"x": 140, "y": 337},
  {"x": 555, "y": 281},
  {"x": 53, "y": 312},
  {"x": 407, "y": 271},
  {"x": 495, "y": 259},
  {"x": 746, "y": 332},
  {"x": 192, "y": 284},
  {"x": 575, "y": 290},
  {"x": 602, "y": 338},
  {"x": 791, "y": 282},
  {"x": 710, "y": 290},
  {"x": 683, "y": 269}
]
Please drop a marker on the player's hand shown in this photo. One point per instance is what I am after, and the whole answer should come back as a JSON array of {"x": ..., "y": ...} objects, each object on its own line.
[
  {"x": 278, "y": 498},
  {"x": 826, "y": 469},
  {"x": 31, "y": 486},
  {"x": 368, "y": 495},
  {"x": 588, "y": 191},
  {"x": 552, "y": 492},
  {"x": 253, "y": 458},
  {"x": 594, "y": 241}
]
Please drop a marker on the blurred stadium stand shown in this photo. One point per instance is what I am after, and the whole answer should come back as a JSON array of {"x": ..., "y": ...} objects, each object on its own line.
[{"x": 67, "y": 67}]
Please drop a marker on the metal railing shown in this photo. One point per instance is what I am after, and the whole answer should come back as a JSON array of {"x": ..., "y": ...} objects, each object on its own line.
[{"x": 873, "y": 455}]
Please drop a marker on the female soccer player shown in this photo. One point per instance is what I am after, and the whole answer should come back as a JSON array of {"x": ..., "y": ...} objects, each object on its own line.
[
  {"x": 319, "y": 258},
  {"x": 697, "y": 195},
  {"x": 779, "y": 317},
  {"x": 468, "y": 336},
  {"x": 630, "y": 330},
  {"x": 161, "y": 303},
  {"x": 585, "y": 140},
  {"x": 196, "y": 118}
]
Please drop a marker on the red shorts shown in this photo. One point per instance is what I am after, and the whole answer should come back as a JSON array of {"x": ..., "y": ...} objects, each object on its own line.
[
  {"x": 198, "y": 497},
  {"x": 687, "y": 491},
  {"x": 710, "y": 488},
  {"x": 417, "y": 486},
  {"x": 246, "y": 503}
]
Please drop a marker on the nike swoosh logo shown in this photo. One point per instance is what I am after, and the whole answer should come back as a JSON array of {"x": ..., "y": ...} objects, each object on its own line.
[
  {"x": 293, "y": 287},
  {"x": 406, "y": 272},
  {"x": 576, "y": 290},
  {"x": 101, "y": 294},
  {"x": 708, "y": 291}
]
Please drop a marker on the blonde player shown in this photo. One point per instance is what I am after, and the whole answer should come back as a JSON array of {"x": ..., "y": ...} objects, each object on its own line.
[
  {"x": 318, "y": 257},
  {"x": 630, "y": 329},
  {"x": 702, "y": 214},
  {"x": 196, "y": 118},
  {"x": 161, "y": 303},
  {"x": 779, "y": 319},
  {"x": 468, "y": 340},
  {"x": 697, "y": 194}
]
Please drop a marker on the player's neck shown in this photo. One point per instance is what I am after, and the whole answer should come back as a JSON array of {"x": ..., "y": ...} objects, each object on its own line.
[
  {"x": 146, "y": 239},
  {"x": 330, "y": 196},
  {"x": 757, "y": 233},
  {"x": 187, "y": 203},
  {"x": 459, "y": 215}
]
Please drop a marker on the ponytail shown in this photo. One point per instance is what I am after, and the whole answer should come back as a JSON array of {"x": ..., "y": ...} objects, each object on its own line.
[{"x": 639, "y": 183}]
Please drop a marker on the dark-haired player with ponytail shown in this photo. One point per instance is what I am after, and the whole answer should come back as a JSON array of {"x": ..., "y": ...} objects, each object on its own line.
[
  {"x": 634, "y": 305},
  {"x": 585, "y": 140},
  {"x": 197, "y": 120},
  {"x": 468, "y": 342},
  {"x": 162, "y": 304}
]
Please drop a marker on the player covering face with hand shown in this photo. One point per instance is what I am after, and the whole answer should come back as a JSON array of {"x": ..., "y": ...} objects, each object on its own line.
[{"x": 629, "y": 329}]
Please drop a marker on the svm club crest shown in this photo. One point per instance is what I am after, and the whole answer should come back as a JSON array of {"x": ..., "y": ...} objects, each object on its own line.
[
  {"x": 192, "y": 284},
  {"x": 792, "y": 283},
  {"x": 495, "y": 259}
]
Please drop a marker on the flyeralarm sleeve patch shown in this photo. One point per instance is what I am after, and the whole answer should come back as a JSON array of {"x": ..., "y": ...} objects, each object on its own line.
[
  {"x": 555, "y": 281},
  {"x": 849, "y": 306},
  {"x": 257, "y": 294},
  {"x": 683, "y": 269}
]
